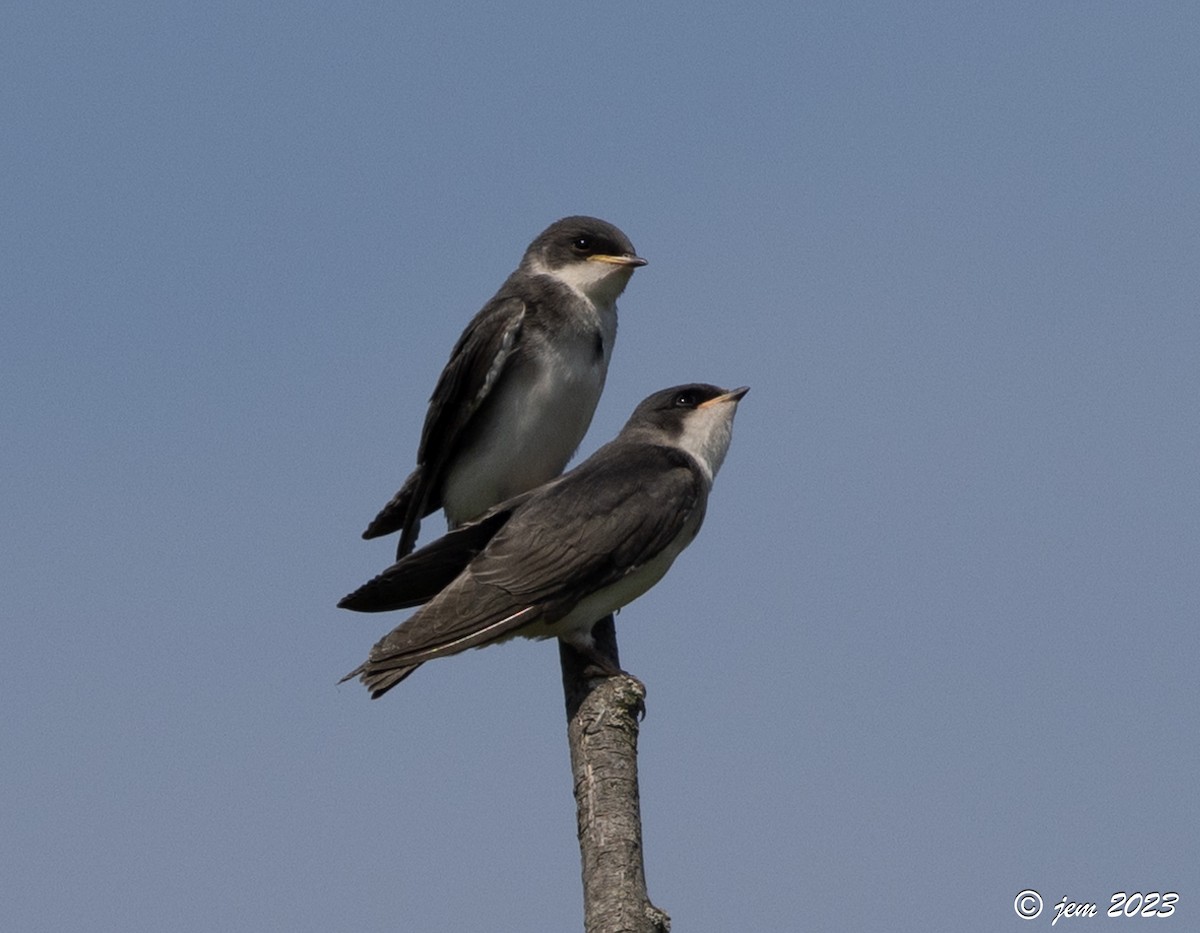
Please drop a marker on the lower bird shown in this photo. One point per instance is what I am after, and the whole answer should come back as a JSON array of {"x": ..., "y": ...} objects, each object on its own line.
[{"x": 552, "y": 561}]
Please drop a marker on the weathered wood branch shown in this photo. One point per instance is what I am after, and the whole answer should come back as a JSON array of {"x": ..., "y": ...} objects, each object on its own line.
[{"x": 603, "y": 714}]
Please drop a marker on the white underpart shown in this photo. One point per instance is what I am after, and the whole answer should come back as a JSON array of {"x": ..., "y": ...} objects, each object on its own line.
[
  {"x": 542, "y": 411},
  {"x": 576, "y": 626}
]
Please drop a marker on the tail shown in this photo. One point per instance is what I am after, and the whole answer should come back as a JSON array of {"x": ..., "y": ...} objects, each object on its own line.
[
  {"x": 419, "y": 577},
  {"x": 379, "y": 679},
  {"x": 403, "y": 513}
]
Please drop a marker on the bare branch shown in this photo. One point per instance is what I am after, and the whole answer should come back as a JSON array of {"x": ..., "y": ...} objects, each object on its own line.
[{"x": 602, "y": 730}]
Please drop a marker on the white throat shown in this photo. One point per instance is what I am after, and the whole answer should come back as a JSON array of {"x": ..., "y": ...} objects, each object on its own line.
[
  {"x": 601, "y": 283},
  {"x": 706, "y": 435}
]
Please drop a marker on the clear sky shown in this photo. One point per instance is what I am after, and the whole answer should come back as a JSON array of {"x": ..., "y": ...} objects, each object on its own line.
[{"x": 937, "y": 642}]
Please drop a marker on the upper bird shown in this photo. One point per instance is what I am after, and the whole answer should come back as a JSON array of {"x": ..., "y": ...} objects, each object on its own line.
[
  {"x": 522, "y": 383},
  {"x": 554, "y": 560}
]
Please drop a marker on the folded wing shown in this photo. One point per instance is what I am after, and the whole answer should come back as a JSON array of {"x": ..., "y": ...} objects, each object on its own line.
[
  {"x": 567, "y": 540},
  {"x": 476, "y": 363}
]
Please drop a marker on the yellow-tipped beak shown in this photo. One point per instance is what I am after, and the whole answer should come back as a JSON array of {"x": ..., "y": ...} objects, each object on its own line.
[
  {"x": 618, "y": 260},
  {"x": 733, "y": 395}
]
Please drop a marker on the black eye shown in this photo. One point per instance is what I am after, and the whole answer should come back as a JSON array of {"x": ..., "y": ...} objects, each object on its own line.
[
  {"x": 582, "y": 244},
  {"x": 685, "y": 400}
]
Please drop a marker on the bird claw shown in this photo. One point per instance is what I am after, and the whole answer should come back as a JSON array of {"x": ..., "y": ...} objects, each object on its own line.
[{"x": 601, "y": 668}]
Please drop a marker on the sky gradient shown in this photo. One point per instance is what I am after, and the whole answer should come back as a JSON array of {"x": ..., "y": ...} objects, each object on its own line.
[{"x": 937, "y": 641}]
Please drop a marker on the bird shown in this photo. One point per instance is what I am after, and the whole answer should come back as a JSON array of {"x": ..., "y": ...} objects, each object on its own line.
[
  {"x": 522, "y": 382},
  {"x": 553, "y": 560}
]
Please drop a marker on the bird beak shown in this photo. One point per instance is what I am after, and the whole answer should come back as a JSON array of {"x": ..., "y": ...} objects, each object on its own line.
[
  {"x": 733, "y": 395},
  {"x": 634, "y": 261}
]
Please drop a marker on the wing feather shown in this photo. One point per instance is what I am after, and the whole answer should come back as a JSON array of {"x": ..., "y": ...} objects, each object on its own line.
[
  {"x": 561, "y": 543},
  {"x": 421, "y": 575},
  {"x": 477, "y": 361},
  {"x": 598, "y": 523}
]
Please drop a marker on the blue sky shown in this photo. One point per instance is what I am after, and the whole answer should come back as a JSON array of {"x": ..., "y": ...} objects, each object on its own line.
[{"x": 937, "y": 641}]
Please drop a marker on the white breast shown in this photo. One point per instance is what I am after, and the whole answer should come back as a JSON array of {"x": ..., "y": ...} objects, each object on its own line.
[
  {"x": 538, "y": 415},
  {"x": 576, "y": 627}
]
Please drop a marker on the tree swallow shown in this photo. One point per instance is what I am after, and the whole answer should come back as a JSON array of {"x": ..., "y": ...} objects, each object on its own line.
[
  {"x": 551, "y": 561},
  {"x": 518, "y": 394}
]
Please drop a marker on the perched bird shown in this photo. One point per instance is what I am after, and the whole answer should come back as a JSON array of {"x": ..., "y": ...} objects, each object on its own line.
[
  {"x": 518, "y": 394},
  {"x": 554, "y": 560}
]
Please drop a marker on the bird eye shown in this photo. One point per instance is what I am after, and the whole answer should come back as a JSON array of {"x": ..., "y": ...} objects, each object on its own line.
[
  {"x": 582, "y": 244},
  {"x": 686, "y": 400}
]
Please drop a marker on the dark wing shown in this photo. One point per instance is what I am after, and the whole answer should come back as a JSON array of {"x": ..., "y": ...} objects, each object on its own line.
[
  {"x": 601, "y": 522},
  {"x": 421, "y": 575},
  {"x": 476, "y": 363},
  {"x": 577, "y": 535}
]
